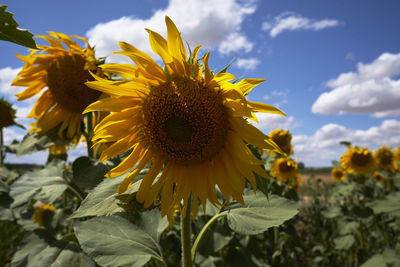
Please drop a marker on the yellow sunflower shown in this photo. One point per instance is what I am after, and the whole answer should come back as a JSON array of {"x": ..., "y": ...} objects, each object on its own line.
[
  {"x": 283, "y": 139},
  {"x": 40, "y": 208},
  {"x": 358, "y": 160},
  {"x": 378, "y": 177},
  {"x": 185, "y": 120},
  {"x": 397, "y": 153},
  {"x": 338, "y": 174},
  {"x": 285, "y": 170},
  {"x": 63, "y": 73},
  {"x": 385, "y": 159},
  {"x": 7, "y": 114}
]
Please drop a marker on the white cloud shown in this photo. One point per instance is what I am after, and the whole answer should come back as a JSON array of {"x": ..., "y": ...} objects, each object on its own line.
[
  {"x": 7, "y": 75},
  {"x": 268, "y": 121},
  {"x": 373, "y": 89},
  {"x": 247, "y": 63},
  {"x": 289, "y": 21},
  {"x": 324, "y": 146},
  {"x": 210, "y": 23}
]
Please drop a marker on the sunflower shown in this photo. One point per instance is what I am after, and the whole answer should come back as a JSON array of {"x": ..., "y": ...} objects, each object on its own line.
[
  {"x": 385, "y": 159},
  {"x": 283, "y": 139},
  {"x": 188, "y": 122},
  {"x": 338, "y": 174},
  {"x": 285, "y": 170},
  {"x": 41, "y": 208},
  {"x": 63, "y": 73},
  {"x": 358, "y": 160},
  {"x": 7, "y": 114},
  {"x": 378, "y": 177},
  {"x": 397, "y": 153}
]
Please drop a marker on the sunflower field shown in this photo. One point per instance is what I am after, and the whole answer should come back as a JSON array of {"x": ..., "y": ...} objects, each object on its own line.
[{"x": 175, "y": 174}]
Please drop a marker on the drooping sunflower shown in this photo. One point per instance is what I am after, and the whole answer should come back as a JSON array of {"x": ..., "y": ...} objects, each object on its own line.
[
  {"x": 63, "y": 72},
  {"x": 385, "y": 159},
  {"x": 285, "y": 170},
  {"x": 188, "y": 122},
  {"x": 283, "y": 139},
  {"x": 39, "y": 209},
  {"x": 338, "y": 174},
  {"x": 378, "y": 177},
  {"x": 7, "y": 114},
  {"x": 358, "y": 160}
]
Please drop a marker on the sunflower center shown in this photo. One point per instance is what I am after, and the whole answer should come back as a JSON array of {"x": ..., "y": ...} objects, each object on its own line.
[
  {"x": 361, "y": 159},
  {"x": 285, "y": 167},
  {"x": 185, "y": 121},
  {"x": 66, "y": 79},
  {"x": 386, "y": 157}
]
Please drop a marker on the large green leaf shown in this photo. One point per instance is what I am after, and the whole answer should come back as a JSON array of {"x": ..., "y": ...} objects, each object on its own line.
[
  {"x": 45, "y": 185},
  {"x": 5, "y": 202},
  {"x": 259, "y": 213},
  {"x": 8, "y": 175},
  {"x": 10, "y": 32},
  {"x": 115, "y": 241},
  {"x": 87, "y": 173},
  {"x": 39, "y": 249},
  {"x": 101, "y": 200},
  {"x": 390, "y": 204}
]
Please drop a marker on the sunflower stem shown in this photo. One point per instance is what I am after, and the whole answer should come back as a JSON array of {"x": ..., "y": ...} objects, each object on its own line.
[
  {"x": 89, "y": 129},
  {"x": 203, "y": 231},
  {"x": 185, "y": 236},
  {"x": 1, "y": 148}
]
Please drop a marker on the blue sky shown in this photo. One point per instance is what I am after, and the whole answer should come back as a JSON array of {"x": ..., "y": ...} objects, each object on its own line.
[{"x": 332, "y": 66}]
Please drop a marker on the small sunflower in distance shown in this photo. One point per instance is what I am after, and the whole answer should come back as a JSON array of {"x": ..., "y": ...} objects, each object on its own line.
[
  {"x": 338, "y": 174},
  {"x": 285, "y": 170},
  {"x": 385, "y": 159},
  {"x": 39, "y": 210},
  {"x": 358, "y": 160},
  {"x": 283, "y": 139},
  {"x": 188, "y": 122},
  {"x": 64, "y": 73}
]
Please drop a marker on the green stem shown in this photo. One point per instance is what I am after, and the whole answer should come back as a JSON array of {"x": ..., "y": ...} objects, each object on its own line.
[
  {"x": 75, "y": 192},
  {"x": 185, "y": 236},
  {"x": 203, "y": 231},
  {"x": 89, "y": 131},
  {"x": 1, "y": 148}
]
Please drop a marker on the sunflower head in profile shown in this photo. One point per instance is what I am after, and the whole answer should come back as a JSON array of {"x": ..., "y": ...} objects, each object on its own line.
[
  {"x": 39, "y": 210},
  {"x": 358, "y": 160},
  {"x": 285, "y": 170},
  {"x": 338, "y": 174},
  {"x": 187, "y": 122},
  {"x": 385, "y": 159},
  {"x": 7, "y": 114},
  {"x": 61, "y": 74},
  {"x": 283, "y": 139}
]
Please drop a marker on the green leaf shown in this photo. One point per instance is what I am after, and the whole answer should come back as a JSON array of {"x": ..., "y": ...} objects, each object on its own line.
[
  {"x": 101, "y": 200},
  {"x": 390, "y": 204},
  {"x": 344, "y": 242},
  {"x": 259, "y": 213},
  {"x": 10, "y": 32},
  {"x": 389, "y": 257},
  {"x": 8, "y": 175},
  {"x": 31, "y": 143},
  {"x": 40, "y": 249},
  {"x": 45, "y": 185},
  {"x": 347, "y": 227},
  {"x": 5, "y": 202},
  {"x": 332, "y": 212},
  {"x": 87, "y": 172},
  {"x": 343, "y": 189},
  {"x": 115, "y": 241}
]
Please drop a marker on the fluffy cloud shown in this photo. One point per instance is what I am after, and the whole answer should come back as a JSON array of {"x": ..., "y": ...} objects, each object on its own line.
[
  {"x": 324, "y": 146},
  {"x": 269, "y": 122},
  {"x": 371, "y": 89},
  {"x": 7, "y": 75},
  {"x": 289, "y": 21},
  {"x": 247, "y": 63},
  {"x": 215, "y": 24}
]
